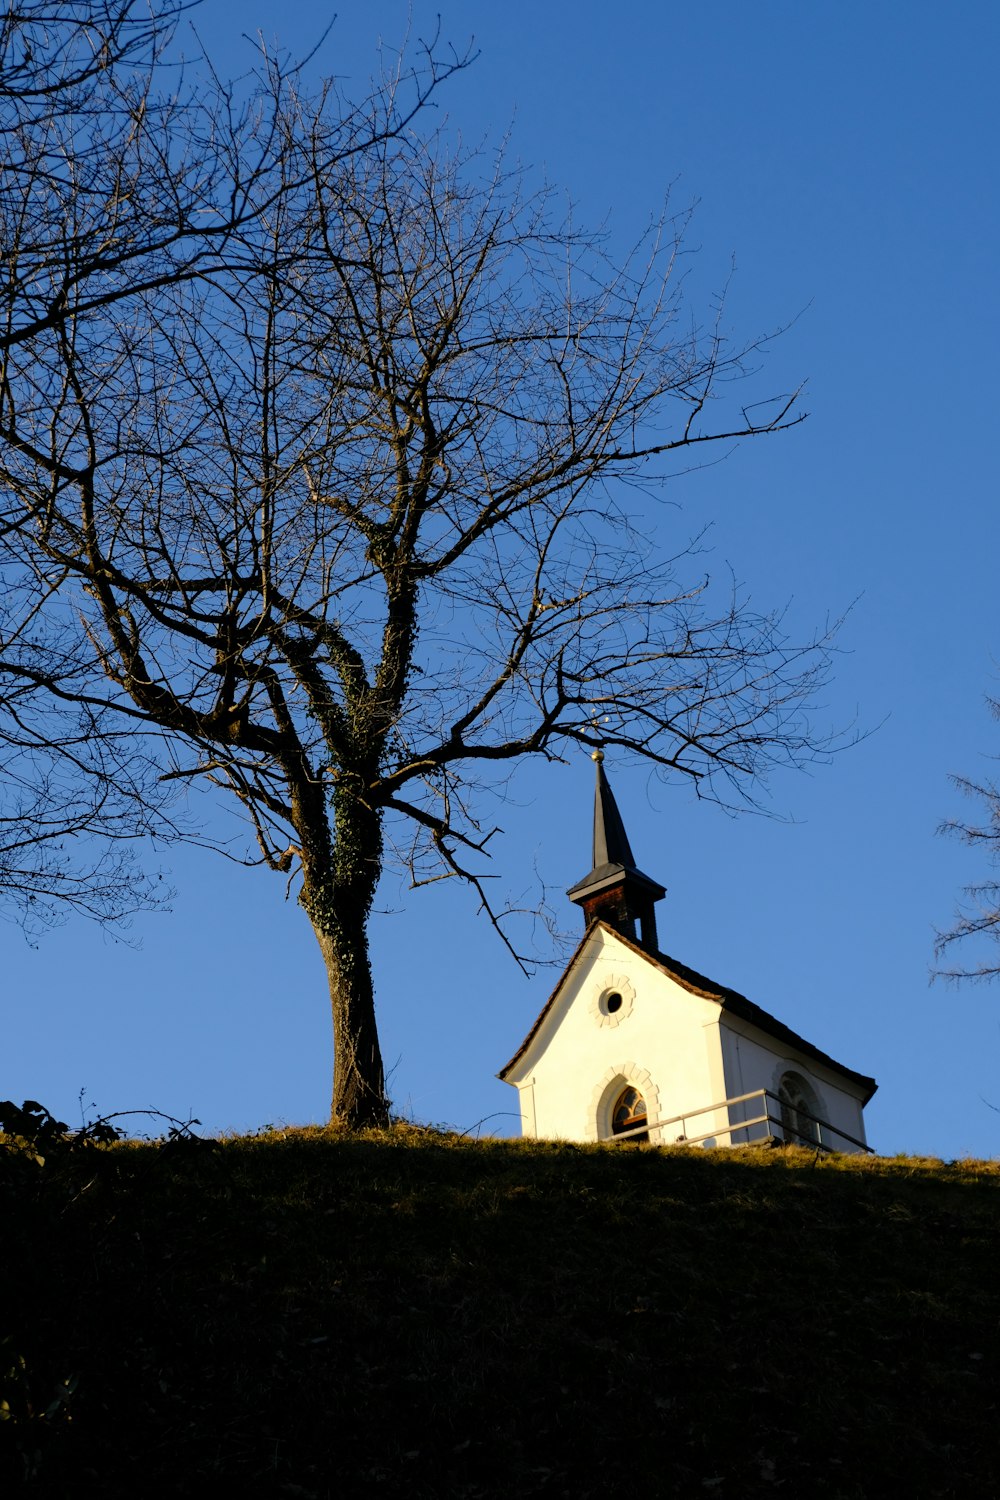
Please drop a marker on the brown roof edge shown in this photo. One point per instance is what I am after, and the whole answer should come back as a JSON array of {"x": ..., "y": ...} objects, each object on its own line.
[
  {"x": 749, "y": 1010},
  {"x": 706, "y": 989}
]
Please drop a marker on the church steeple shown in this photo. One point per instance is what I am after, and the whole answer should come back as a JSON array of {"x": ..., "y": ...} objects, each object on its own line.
[{"x": 615, "y": 890}]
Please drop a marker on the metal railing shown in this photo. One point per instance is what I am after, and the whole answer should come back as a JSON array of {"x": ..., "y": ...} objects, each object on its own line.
[{"x": 765, "y": 1125}]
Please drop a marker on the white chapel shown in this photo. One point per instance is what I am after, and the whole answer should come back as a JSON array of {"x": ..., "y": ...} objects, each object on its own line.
[{"x": 633, "y": 1045}]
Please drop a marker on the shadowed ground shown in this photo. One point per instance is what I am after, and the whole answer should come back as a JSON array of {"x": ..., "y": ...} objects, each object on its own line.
[{"x": 307, "y": 1314}]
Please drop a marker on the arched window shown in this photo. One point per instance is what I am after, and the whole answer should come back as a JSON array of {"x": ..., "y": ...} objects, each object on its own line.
[
  {"x": 798, "y": 1102},
  {"x": 629, "y": 1113}
]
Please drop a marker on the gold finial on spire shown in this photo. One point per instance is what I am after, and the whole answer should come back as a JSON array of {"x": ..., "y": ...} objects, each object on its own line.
[{"x": 597, "y": 755}]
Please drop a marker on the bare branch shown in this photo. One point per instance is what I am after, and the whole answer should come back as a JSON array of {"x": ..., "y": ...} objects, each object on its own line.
[
  {"x": 980, "y": 916},
  {"x": 328, "y": 463}
]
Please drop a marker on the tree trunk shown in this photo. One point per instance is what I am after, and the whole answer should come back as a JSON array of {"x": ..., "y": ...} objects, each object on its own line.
[
  {"x": 359, "y": 1098},
  {"x": 340, "y": 874}
]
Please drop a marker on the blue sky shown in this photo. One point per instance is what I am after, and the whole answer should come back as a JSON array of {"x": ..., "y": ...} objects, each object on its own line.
[{"x": 846, "y": 163}]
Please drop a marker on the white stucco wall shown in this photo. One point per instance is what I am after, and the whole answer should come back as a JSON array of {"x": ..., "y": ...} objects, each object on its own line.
[
  {"x": 664, "y": 1040},
  {"x": 681, "y": 1051},
  {"x": 754, "y": 1060}
]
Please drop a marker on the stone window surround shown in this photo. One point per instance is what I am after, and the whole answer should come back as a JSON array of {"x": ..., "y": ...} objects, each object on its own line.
[
  {"x": 791, "y": 1072},
  {"x": 612, "y": 984},
  {"x": 628, "y": 1074}
]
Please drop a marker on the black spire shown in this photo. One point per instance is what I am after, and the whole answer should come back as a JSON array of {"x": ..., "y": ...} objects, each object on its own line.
[
  {"x": 611, "y": 845},
  {"x": 615, "y": 890}
]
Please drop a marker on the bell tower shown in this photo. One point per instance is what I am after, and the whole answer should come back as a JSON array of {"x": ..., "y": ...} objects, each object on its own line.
[{"x": 615, "y": 891}]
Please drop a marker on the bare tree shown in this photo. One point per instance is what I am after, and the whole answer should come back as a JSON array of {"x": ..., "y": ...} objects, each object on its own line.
[
  {"x": 980, "y": 917},
  {"x": 345, "y": 507}
]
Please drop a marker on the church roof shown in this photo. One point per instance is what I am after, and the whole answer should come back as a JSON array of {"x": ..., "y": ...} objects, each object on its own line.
[
  {"x": 613, "y": 857},
  {"x": 697, "y": 984}
]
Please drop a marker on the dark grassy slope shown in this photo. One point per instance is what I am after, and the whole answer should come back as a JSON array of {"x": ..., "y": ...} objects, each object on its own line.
[{"x": 415, "y": 1315}]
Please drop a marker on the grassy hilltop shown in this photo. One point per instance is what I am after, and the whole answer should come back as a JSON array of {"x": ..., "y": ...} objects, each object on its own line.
[{"x": 416, "y": 1314}]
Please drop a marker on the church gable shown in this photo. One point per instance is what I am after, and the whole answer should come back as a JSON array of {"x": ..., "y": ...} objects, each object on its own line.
[
  {"x": 631, "y": 1042},
  {"x": 616, "y": 1019}
]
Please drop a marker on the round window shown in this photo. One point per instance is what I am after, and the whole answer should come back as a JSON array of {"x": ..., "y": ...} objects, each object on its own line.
[{"x": 611, "y": 1003}]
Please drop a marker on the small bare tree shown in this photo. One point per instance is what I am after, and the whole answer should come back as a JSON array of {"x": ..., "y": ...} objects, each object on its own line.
[
  {"x": 342, "y": 506},
  {"x": 980, "y": 917}
]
